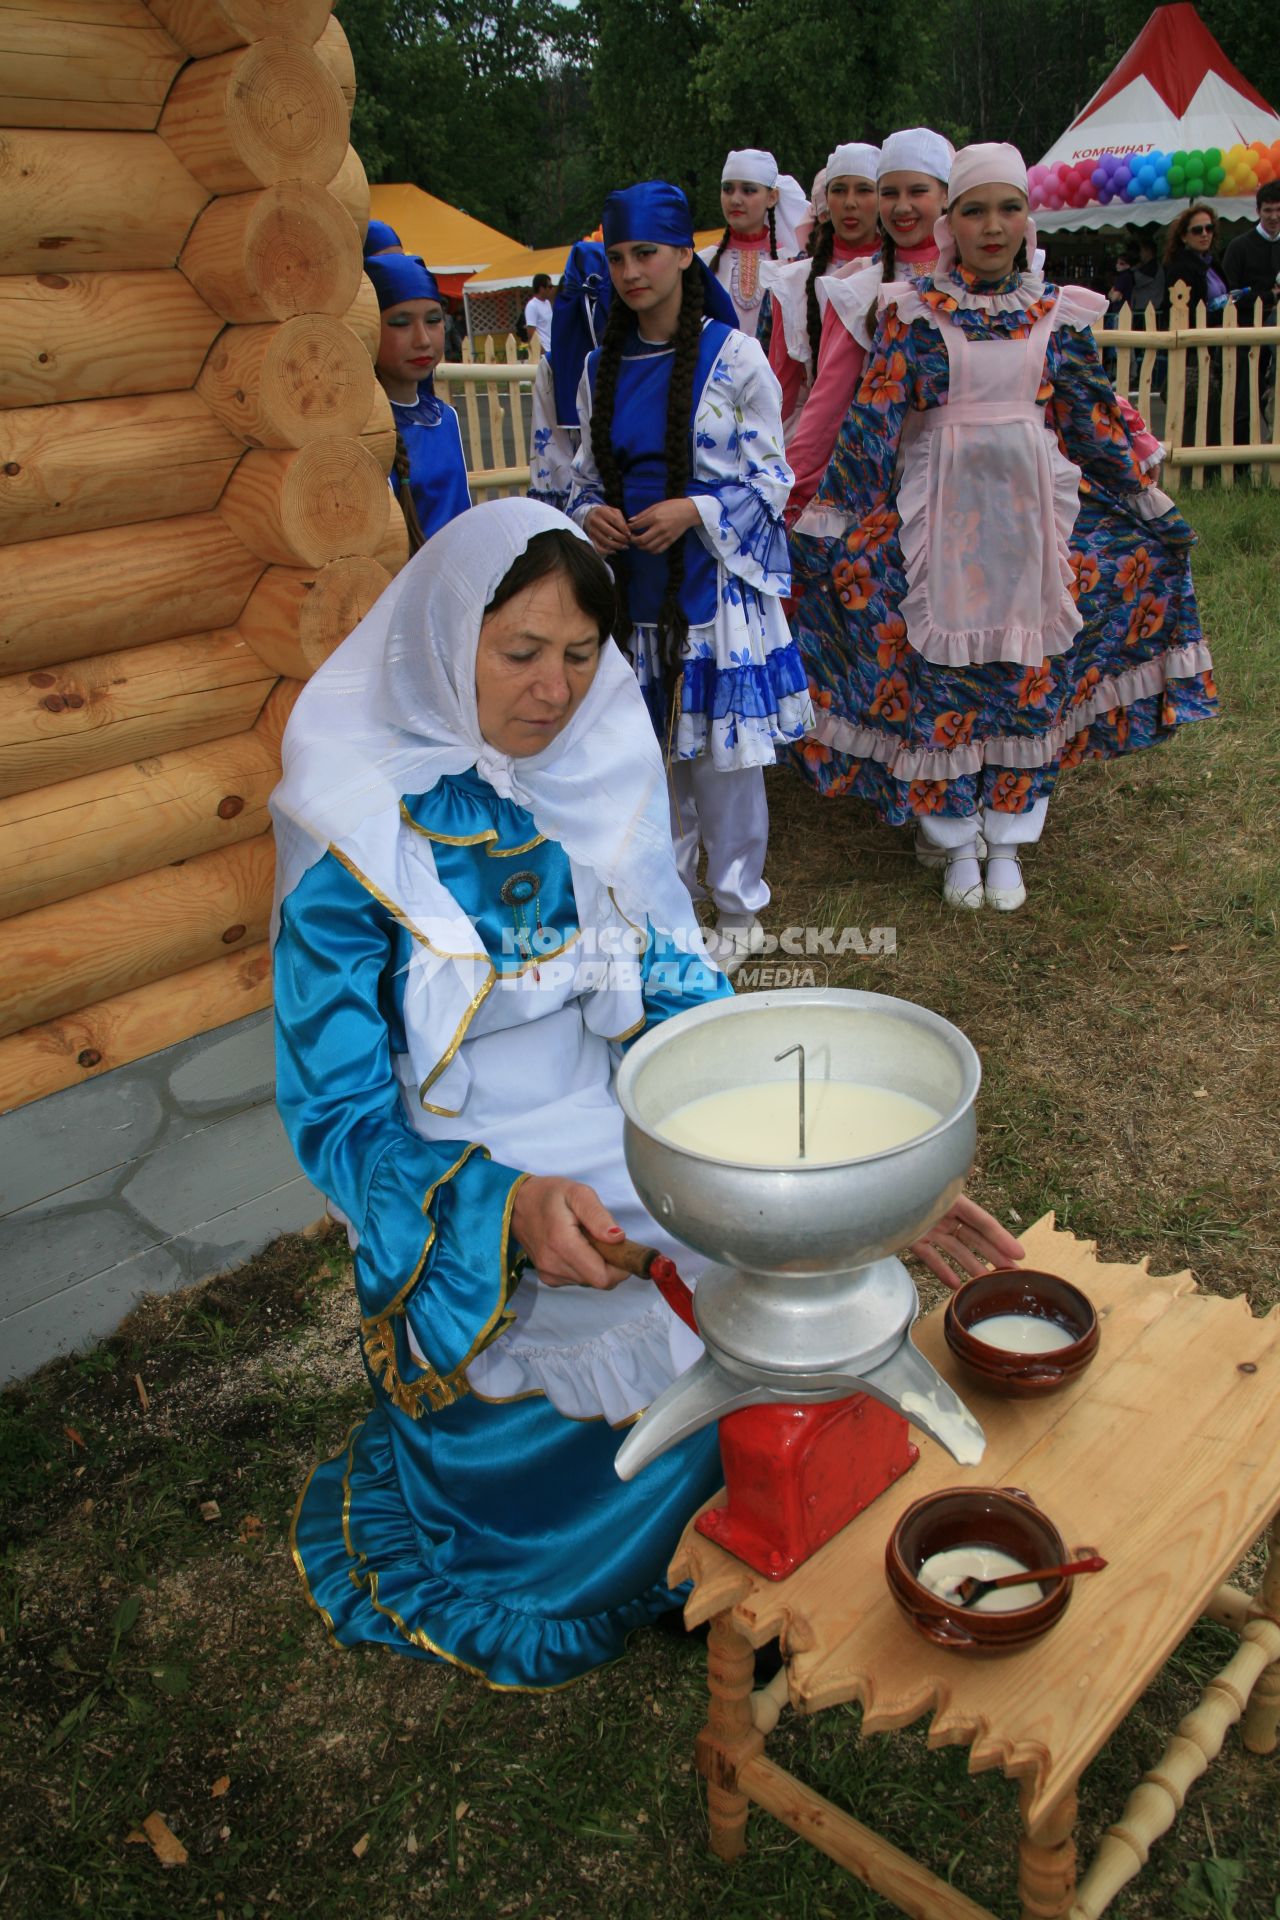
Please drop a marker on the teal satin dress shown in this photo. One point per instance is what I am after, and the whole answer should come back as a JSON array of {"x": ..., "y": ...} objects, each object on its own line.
[{"x": 496, "y": 1536}]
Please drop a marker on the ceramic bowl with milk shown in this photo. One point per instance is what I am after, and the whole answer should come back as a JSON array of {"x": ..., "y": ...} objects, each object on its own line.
[
  {"x": 1020, "y": 1332},
  {"x": 987, "y": 1532}
]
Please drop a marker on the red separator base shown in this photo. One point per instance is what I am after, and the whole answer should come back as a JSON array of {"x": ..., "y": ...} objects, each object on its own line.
[{"x": 796, "y": 1475}]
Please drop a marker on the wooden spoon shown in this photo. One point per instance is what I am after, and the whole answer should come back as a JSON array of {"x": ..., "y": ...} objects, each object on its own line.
[{"x": 971, "y": 1588}]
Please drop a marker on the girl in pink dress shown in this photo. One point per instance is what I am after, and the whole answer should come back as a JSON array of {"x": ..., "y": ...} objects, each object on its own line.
[
  {"x": 844, "y": 237},
  {"x": 911, "y": 186}
]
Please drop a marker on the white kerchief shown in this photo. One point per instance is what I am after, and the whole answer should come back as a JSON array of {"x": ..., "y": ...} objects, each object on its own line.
[
  {"x": 856, "y": 160},
  {"x": 916, "y": 150},
  {"x": 393, "y": 711},
  {"x": 752, "y": 164}
]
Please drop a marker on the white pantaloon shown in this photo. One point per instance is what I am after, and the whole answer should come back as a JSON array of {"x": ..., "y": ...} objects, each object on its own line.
[{"x": 725, "y": 811}]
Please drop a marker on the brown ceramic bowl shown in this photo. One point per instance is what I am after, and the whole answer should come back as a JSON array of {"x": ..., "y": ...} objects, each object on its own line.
[
  {"x": 1021, "y": 1376},
  {"x": 1002, "y": 1517}
]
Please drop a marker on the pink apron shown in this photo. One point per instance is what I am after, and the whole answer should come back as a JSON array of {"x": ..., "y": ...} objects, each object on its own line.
[{"x": 987, "y": 502}]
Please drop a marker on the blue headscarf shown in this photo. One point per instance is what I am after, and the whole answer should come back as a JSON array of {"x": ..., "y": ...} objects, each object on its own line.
[
  {"x": 656, "y": 211},
  {"x": 379, "y": 237},
  {"x": 400, "y": 276},
  {"x": 577, "y": 322}
]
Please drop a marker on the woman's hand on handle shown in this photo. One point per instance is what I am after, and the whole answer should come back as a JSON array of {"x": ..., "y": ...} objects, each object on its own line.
[
  {"x": 551, "y": 1218},
  {"x": 966, "y": 1241},
  {"x": 607, "y": 530}
]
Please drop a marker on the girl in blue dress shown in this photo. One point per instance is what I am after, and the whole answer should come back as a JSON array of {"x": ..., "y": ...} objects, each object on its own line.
[
  {"x": 430, "y": 477},
  {"x": 680, "y": 481}
]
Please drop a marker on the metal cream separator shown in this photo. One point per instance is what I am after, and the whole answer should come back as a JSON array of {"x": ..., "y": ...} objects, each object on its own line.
[{"x": 806, "y": 1304}]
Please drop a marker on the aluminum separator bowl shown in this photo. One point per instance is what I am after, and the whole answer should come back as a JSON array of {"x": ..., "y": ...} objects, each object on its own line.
[{"x": 795, "y": 1222}]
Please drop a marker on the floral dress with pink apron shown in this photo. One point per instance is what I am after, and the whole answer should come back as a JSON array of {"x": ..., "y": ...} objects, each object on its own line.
[{"x": 1008, "y": 594}]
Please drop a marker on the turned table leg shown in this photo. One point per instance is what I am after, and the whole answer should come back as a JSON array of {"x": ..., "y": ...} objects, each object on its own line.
[
  {"x": 730, "y": 1737},
  {"x": 1262, "y": 1714},
  {"x": 1047, "y": 1861}
]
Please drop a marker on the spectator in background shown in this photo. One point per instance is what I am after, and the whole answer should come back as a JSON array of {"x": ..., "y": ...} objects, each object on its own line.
[
  {"x": 1139, "y": 277},
  {"x": 455, "y": 331},
  {"x": 1189, "y": 261},
  {"x": 1252, "y": 268},
  {"x": 1252, "y": 262},
  {"x": 537, "y": 311},
  {"x": 1189, "y": 258}
]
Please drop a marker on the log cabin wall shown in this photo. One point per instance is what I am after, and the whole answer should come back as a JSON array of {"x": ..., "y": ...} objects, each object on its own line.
[{"x": 193, "y": 512}]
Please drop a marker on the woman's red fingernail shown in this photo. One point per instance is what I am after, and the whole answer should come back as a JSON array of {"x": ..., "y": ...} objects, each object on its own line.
[{"x": 616, "y": 1233}]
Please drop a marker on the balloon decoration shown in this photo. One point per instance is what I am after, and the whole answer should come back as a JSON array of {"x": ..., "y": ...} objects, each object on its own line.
[{"x": 1123, "y": 178}]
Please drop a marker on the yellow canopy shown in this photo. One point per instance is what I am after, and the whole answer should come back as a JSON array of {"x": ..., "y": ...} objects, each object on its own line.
[
  {"x": 449, "y": 241},
  {"x": 517, "y": 267}
]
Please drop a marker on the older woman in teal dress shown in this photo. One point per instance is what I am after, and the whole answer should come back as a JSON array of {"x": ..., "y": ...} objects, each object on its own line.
[{"x": 478, "y": 909}]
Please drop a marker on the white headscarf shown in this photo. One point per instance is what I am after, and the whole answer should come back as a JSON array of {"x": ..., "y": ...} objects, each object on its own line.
[
  {"x": 792, "y": 209},
  {"x": 393, "y": 711},
  {"x": 916, "y": 150},
  {"x": 988, "y": 163},
  {"x": 855, "y": 160}
]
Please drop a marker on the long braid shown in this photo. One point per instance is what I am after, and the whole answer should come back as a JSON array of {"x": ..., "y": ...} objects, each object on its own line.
[
  {"x": 714, "y": 262},
  {"x": 888, "y": 262},
  {"x": 822, "y": 257},
  {"x": 616, "y": 330},
  {"x": 673, "y": 628},
  {"x": 404, "y": 496},
  {"x": 772, "y": 225}
]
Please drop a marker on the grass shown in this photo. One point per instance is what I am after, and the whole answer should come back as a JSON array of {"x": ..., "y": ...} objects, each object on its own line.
[{"x": 155, "y": 1645}]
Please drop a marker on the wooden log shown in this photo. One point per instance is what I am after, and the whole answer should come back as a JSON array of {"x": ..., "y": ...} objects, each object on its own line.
[
  {"x": 334, "y": 49},
  {"x": 308, "y": 504},
  {"x": 90, "y": 335},
  {"x": 202, "y": 27},
  {"x": 57, "y": 843},
  {"x": 392, "y": 550},
  {"x": 103, "y": 66},
  {"x": 287, "y": 384},
  {"x": 63, "y": 721},
  {"x": 141, "y": 929},
  {"x": 70, "y": 201},
  {"x": 269, "y": 255},
  {"x": 93, "y": 592},
  {"x": 296, "y": 616},
  {"x": 379, "y": 431},
  {"x": 257, "y": 115},
  {"x": 274, "y": 718},
  {"x": 104, "y": 463},
  {"x": 350, "y": 186},
  {"x": 363, "y": 317},
  {"x": 62, "y": 1053}
]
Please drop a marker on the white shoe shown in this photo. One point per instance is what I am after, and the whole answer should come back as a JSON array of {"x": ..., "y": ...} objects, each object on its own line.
[
  {"x": 734, "y": 941},
  {"x": 999, "y": 893},
  {"x": 930, "y": 856},
  {"x": 962, "y": 880}
]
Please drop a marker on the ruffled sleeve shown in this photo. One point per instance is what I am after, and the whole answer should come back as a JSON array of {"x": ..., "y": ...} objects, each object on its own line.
[
  {"x": 1095, "y": 434},
  {"x": 430, "y": 1219},
  {"x": 740, "y": 518}
]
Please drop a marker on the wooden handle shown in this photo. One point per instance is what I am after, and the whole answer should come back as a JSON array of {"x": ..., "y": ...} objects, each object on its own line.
[{"x": 627, "y": 1254}]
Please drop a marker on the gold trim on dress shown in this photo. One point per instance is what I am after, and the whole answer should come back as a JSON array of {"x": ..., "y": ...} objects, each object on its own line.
[
  {"x": 298, "y": 1561},
  {"x": 502, "y": 1316},
  {"x": 628, "y": 1033},
  {"x": 375, "y": 1319},
  {"x": 471, "y": 839},
  {"x": 477, "y": 1001},
  {"x": 397, "y": 912},
  {"x": 630, "y": 922},
  {"x": 529, "y": 966}
]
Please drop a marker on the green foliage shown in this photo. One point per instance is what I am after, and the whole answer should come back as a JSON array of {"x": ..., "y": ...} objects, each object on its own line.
[{"x": 527, "y": 112}]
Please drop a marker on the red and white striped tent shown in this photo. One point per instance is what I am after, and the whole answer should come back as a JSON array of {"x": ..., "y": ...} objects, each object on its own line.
[{"x": 1174, "y": 88}]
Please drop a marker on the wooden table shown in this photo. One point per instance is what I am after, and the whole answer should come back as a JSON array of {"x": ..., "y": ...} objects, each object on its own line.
[{"x": 1166, "y": 1456}]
